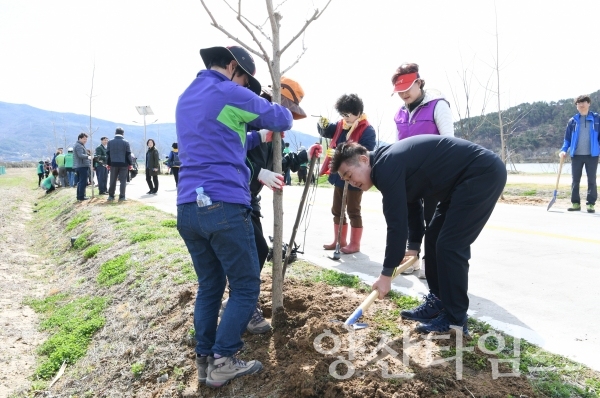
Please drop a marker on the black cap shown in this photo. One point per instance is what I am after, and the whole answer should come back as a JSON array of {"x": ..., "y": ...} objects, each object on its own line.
[{"x": 243, "y": 58}]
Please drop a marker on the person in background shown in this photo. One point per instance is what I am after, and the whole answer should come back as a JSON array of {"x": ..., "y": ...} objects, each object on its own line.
[
  {"x": 47, "y": 167},
  {"x": 152, "y": 167},
  {"x": 288, "y": 174},
  {"x": 69, "y": 167},
  {"x": 49, "y": 183},
  {"x": 100, "y": 165},
  {"x": 54, "y": 165},
  {"x": 302, "y": 171},
  {"x": 354, "y": 127},
  {"x": 81, "y": 164},
  {"x": 582, "y": 140},
  {"x": 118, "y": 154},
  {"x": 40, "y": 172},
  {"x": 212, "y": 117},
  {"x": 62, "y": 171},
  {"x": 423, "y": 112},
  {"x": 174, "y": 163}
]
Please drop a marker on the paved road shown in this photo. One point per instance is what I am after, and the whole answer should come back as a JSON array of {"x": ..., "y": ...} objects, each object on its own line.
[{"x": 533, "y": 273}]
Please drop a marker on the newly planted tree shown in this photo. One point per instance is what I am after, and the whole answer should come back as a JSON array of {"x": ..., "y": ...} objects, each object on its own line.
[{"x": 273, "y": 60}]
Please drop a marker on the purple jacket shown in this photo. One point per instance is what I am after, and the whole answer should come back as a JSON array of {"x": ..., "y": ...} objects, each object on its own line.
[{"x": 422, "y": 121}]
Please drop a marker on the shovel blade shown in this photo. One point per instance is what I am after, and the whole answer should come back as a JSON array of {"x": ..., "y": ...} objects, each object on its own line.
[{"x": 552, "y": 200}]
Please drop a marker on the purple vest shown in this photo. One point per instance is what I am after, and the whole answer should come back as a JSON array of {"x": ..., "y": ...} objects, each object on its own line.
[{"x": 422, "y": 121}]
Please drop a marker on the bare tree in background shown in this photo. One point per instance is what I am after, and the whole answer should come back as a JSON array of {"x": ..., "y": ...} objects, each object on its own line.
[
  {"x": 91, "y": 131},
  {"x": 274, "y": 63},
  {"x": 466, "y": 122}
]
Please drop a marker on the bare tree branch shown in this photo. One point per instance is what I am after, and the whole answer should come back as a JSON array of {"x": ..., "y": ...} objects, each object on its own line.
[
  {"x": 297, "y": 58},
  {"x": 232, "y": 37},
  {"x": 315, "y": 16},
  {"x": 257, "y": 27}
]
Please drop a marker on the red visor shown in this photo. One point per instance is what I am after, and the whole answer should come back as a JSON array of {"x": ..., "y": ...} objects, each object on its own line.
[{"x": 405, "y": 82}]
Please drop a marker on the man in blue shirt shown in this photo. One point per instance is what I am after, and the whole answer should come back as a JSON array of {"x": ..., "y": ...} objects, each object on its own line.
[
  {"x": 211, "y": 119},
  {"x": 582, "y": 141}
]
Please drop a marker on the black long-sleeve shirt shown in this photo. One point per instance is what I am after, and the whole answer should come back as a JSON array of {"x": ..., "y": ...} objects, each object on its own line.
[{"x": 430, "y": 166}]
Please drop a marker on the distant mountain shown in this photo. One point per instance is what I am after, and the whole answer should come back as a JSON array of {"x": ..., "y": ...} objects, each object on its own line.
[{"x": 28, "y": 133}]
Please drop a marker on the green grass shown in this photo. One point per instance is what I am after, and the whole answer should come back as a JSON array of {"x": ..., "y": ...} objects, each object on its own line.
[
  {"x": 387, "y": 321},
  {"x": 137, "y": 369},
  {"x": 114, "y": 271},
  {"x": 334, "y": 278},
  {"x": 169, "y": 223},
  {"x": 78, "y": 219},
  {"x": 71, "y": 325},
  {"x": 92, "y": 251},
  {"x": 403, "y": 302},
  {"x": 81, "y": 241},
  {"x": 9, "y": 181},
  {"x": 529, "y": 192},
  {"x": 142, "y": 236}
]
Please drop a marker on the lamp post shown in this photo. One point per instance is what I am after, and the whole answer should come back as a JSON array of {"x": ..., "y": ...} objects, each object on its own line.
[{"x": 145, "y": 110}]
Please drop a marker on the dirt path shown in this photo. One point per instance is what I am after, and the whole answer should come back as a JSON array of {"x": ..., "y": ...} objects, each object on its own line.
[{"x": 20, "y": 277}]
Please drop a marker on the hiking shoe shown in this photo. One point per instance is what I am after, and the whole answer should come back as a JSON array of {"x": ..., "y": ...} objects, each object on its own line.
[
  {"x": 202, "y": 365},
  {"x": 575, "y": 207},
  {"x": 222, "y": 370},
  {"x": 441, "y": 324},
  {"x": 110, "y": 198},
  {"x": 415, "y": 267},
  {"x": 421, "y": 274},
  {"x": 258, "y": 324},
  {"x": 590, "y": 209},
  {"x": 427, "y": 311},
  {"x": 122, "y": 198}
]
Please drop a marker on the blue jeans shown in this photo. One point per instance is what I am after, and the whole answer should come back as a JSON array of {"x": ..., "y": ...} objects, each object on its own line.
[
  {"x": 591, "y": 166},
  {"x": 82, "y": 174},
  {"x": 220, "y": 239},
  {"x": 71, "y": 177}
]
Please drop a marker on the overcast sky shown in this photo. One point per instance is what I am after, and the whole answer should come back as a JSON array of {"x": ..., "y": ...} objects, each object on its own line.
[{"x": 146, "y": 52}]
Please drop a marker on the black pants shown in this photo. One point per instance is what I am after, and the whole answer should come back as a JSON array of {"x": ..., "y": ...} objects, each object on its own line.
[
  {"x": 40, "y": 178},
  {"x": 591, "y": 166},
  {"x": 152, "y": 181},
  {"x": 175, "y": 171},
  {"x": 262, "y": 248},
  {"x": 455, "y": 225},
  {"x": 121, "y": 173}
]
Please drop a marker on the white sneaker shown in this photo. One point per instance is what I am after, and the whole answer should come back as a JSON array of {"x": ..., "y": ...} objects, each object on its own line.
[
  {"x": 422, "y": 270},
  {"x": 415, "y": 267}
]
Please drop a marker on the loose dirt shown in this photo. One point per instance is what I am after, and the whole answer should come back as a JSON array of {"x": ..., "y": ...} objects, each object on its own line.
[{"x": 21, "y": 276}]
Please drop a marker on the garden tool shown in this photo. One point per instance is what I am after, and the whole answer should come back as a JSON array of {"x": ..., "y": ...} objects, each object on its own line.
[{"x": 562, "y": 160}]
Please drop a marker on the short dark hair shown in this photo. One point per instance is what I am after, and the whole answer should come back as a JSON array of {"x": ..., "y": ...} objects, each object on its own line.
[
  {"x": 349, "y": 103},
  {"x": 153, "y": 143},
  {"x": 54, "y": 172},
  {"x": 347, "y": 152},
  {"x": 82, "y": 135},
  {"x": 103, "y": 138},
  {"x": 174, "y": 146},
  {"x": 583, "y": 98},
  {"x": 220, "y": 62},
  {"x": 119, "y": 131}
]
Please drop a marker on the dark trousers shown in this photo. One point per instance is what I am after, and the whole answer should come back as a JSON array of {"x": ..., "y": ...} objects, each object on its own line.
[
  {"x": 102, "y": 175},
  {"x": 52, "y": 188},
  {"x": 40, "y": 178},
  {"x": 288, "y": 177},
  {"x": 120, "y": 172},
  {"x": 455, "y": 225},
  {"x": 82, "y": 175},
  {"x": 591, "y": 166},
  {"x": 175, "y": 171},
  {"x": 152, "y": 181},
  {"x": 262, "y": 248},
  {"x": 353, "y": 199},
  {"x": 302, "y": 172}
]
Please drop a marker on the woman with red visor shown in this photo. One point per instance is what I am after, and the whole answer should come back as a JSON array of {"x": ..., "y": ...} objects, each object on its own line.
[{"x": 423, "y": 112}]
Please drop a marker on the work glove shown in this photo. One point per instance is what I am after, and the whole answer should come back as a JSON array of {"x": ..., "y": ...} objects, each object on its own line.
[
  {"x": 270, "y": 179},
  {"x": 130, "y": 167},
  {"x": 315, "y": 150},
  {"x": 89, "y": 157},
  {"x": 267, "y": 136},
  {"x": 107, "y": 168},
  {"x": 322, "y": 125},
  {"x": 562, "y": 154}
]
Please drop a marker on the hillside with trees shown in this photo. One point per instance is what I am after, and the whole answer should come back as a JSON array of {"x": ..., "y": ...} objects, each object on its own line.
[{"x": 533, "y": 132}]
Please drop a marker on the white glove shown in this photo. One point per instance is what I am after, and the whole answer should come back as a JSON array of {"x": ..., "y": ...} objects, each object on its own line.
[
  {"x": 270, "y": 179},
  {"x": 89, "y": 157},
  {"x": 323, "y": 122},
  {"x": 267, "y": 136},
  {"x": 562, "y": 154}
]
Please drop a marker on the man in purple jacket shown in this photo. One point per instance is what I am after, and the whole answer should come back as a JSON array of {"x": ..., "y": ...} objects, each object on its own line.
[{"x": 211, "y": 118}]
